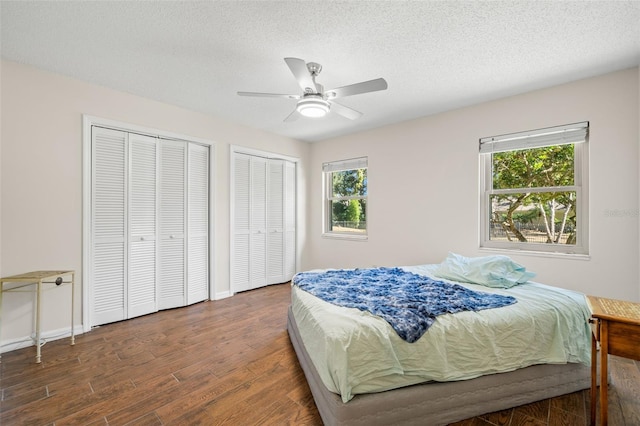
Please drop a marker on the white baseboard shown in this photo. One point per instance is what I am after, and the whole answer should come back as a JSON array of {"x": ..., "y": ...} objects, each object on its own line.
[
  {"x": 46, "y": 336},
  {"x": 222, "y": 295}
]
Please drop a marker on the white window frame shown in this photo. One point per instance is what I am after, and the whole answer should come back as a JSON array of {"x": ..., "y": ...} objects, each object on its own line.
[
  {"x": 577, "y": 134},
  {"x": 328, "y": 199}
]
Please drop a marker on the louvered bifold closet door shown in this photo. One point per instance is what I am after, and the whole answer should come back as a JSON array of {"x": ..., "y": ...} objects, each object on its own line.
[
  {"x": 171, "y": 250},
  {"x": 108, "y": 225},
  {"x": 289, "y": 220},
  {"x": 198, "y": 224},
  {"x": 240, "y": 265},
  {"x": 141, "y": 286},
  {"x": 258, "y": 244},
  {"x": 275, "y": 221}
]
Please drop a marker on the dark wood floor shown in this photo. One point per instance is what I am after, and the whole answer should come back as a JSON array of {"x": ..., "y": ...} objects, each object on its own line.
[{"x": 223, "y": 362}]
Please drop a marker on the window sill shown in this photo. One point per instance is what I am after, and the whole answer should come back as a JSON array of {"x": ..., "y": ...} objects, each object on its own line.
[
  {"x": 352, "y": 237},
  {"x": 533, "y": 253}
]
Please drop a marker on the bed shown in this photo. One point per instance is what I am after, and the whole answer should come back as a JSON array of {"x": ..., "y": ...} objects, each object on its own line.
[{"x": 361, "y": 372}]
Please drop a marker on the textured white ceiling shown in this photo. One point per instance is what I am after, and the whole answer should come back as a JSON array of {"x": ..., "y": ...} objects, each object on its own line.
[{"x": 435, "y": 55}]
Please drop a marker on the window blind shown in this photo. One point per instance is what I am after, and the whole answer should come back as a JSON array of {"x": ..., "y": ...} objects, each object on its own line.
[
  {"x": 559, "y": 135},
  {"x": 351, "y": 164}
]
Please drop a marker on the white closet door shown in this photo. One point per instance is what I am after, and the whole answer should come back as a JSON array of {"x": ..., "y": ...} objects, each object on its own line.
[
  {"x": 141, "y": 286},
  {"x": 171, "y": 278},
  {"x": 240, "y": 275},
  {"x": 198, "y": 224},
  {"x": 275, "y": 221},
  {"x": 289, "y": 220},
  {"x": 258, "y": 243},
  {"x": 263, "y": 248},
  {"x": 109, "y": 226}
]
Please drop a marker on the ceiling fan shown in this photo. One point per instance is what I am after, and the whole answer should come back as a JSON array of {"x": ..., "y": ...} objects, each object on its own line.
[{"x": 315, "y": 101}]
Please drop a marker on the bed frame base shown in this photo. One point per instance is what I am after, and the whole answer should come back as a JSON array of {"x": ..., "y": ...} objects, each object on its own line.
[{"x": 443, "y": 402}]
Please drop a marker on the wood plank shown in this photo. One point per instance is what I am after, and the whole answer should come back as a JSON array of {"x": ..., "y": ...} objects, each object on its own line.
[{"x": 625, "y": 377}]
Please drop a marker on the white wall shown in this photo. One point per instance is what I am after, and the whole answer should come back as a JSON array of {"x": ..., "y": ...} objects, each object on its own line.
[
  {"x": 423, "y": 185},
  {"x": 423, "y": 181},
  {"x": 41, "y": 179}
]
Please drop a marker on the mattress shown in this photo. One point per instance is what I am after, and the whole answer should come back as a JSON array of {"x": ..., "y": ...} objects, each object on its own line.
[
  {"x": 439, "y": 403},
  {"x": 354, "y": 352}
]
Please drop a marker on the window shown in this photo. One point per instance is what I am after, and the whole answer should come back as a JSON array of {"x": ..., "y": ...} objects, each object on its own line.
[
  {"x": 534, "y": 190},
  {"x": 345, "y": 198}
]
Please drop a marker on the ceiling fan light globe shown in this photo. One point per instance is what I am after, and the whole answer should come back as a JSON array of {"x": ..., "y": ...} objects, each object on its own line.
[
  {"x": 313, "y": 108},
  {"x": 313, "y": 111}
]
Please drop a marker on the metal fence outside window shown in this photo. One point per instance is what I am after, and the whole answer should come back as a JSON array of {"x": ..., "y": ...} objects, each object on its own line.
[{"x": 533, "y": 232}]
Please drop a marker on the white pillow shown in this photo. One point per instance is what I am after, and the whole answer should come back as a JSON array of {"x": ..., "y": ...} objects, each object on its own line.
[{"x": 491, "y": 271}]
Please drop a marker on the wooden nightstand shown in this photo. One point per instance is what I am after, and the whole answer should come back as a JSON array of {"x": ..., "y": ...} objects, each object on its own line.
[{"x": 616, "y": 325}]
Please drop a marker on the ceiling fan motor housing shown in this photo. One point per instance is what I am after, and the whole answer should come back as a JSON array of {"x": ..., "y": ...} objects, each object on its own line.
[{"x": 314, "y": 68}]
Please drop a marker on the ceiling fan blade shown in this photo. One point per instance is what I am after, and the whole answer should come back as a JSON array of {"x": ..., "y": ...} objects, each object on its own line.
[
  {"x": 292, "y": 117},
  {"x": 357, "y": 88},
  {"x": 344, "y": 111},
  {"x": 300, "y": 71},
  {"x": 269, "y": 95}
]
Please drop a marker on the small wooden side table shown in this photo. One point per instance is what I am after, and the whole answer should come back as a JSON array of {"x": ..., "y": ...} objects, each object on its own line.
[
  {"x": 616, "y": 325},
  {"x": 26, "y": 283}
]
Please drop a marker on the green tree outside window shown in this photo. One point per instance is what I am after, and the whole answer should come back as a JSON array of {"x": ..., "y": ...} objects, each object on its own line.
[{"x": 541, "y": 211}]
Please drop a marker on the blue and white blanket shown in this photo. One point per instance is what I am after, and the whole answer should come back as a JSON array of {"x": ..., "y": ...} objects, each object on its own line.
[{"x": 408, "y": 302}]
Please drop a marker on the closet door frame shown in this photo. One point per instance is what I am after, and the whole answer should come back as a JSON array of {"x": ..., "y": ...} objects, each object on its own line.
[
  {"x": 236, "y": 149},
  {"x": 88, "y": 121}
]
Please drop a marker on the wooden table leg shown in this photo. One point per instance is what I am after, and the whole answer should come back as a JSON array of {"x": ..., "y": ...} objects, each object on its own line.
[{"x": 604, "y": 382}]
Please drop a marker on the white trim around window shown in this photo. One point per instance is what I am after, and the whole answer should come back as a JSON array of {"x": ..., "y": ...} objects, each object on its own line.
[
  {"x": 576, "y": 134},
  {"x": 329, "y": 228}
]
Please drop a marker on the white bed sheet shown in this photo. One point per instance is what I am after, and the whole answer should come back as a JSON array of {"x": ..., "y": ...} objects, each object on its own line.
[{"x": 357, "y": 352}]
